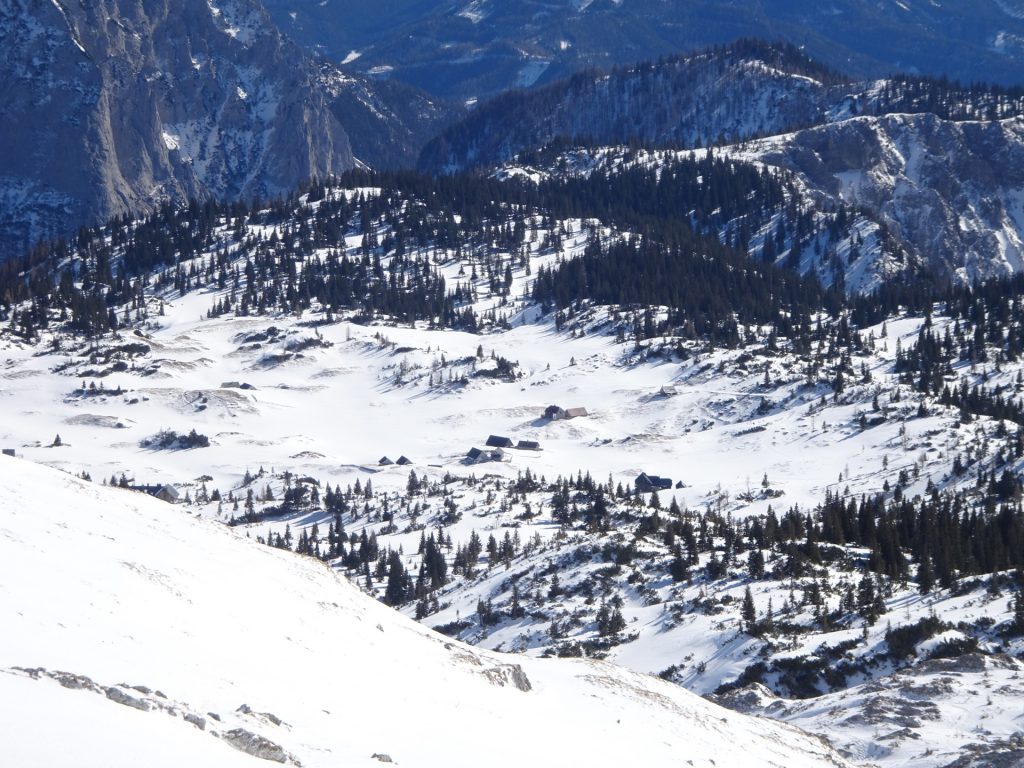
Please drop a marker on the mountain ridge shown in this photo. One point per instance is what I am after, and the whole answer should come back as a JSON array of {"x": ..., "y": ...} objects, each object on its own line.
[
  {"x": 748, "y": 89},
  {"x": 161, "y": 103},
  {"x": 474, "y": 49}
]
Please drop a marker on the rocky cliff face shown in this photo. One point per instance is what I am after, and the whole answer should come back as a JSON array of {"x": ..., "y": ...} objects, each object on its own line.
[
  {"x": 387, "y": 121},
  {"x": 112, "y": 106},
  {"x": 951, "y": 191}
]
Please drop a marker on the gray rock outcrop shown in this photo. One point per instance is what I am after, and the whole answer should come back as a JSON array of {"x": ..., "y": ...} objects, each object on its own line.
[{"x": 111, "y": 107}]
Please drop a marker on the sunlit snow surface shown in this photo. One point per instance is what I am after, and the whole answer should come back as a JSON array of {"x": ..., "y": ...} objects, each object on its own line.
[
  {"x": 354, "y": 393},
  {"x": 176, "y": 617}
]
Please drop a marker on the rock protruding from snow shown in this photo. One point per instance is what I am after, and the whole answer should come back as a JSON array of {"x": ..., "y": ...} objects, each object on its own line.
[
  {"x": 257, "y": 746},
  {"x": 949, "y": 712},
  {"x": 509, "y": 674}
]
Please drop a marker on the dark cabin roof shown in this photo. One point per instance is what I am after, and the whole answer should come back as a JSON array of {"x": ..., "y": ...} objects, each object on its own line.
[
  {"x": 528, "y": 445},
  {"x": 385, "y": 461},
  {"x": 474, "y": 454},
  {"x": 646, "y": 483},
  {"x": 496, "y": 441},
  {"x": 156, "y": 490},
  {"x": 403, "y": 461}
]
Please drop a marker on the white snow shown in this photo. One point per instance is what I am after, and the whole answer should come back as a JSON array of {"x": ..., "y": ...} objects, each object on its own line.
[
  {"x": 72, "y": 33},
  {"x": 474, "y": 12},
  {"x": 373, "y": 390},
  {"x": 186, "y": 618},
  {"x": 1013, "y": 8},
  {"x": 239, "y": 21},
  {"x": 171, "y": 141}
]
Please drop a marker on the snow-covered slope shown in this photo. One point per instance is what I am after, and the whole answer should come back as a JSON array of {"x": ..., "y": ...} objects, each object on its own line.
[
  {"x": 136, "y": 634},
  {"x": 300, "y": 405}
]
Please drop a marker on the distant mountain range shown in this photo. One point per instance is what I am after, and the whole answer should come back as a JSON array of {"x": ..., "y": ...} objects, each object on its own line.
[
  {"x": 117, "y": 109},
  {"x": 471, "y": 49},
  {"x": 938, "y": 166},
  {"x": 730, "y": 93}
]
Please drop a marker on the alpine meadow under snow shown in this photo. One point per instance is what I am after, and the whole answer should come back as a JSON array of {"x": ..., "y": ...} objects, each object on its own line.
[{"x": 776, "y": 581}]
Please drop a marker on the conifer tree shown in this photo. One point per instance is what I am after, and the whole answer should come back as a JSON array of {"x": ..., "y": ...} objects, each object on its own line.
[{"x": 748, "y": 613}]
